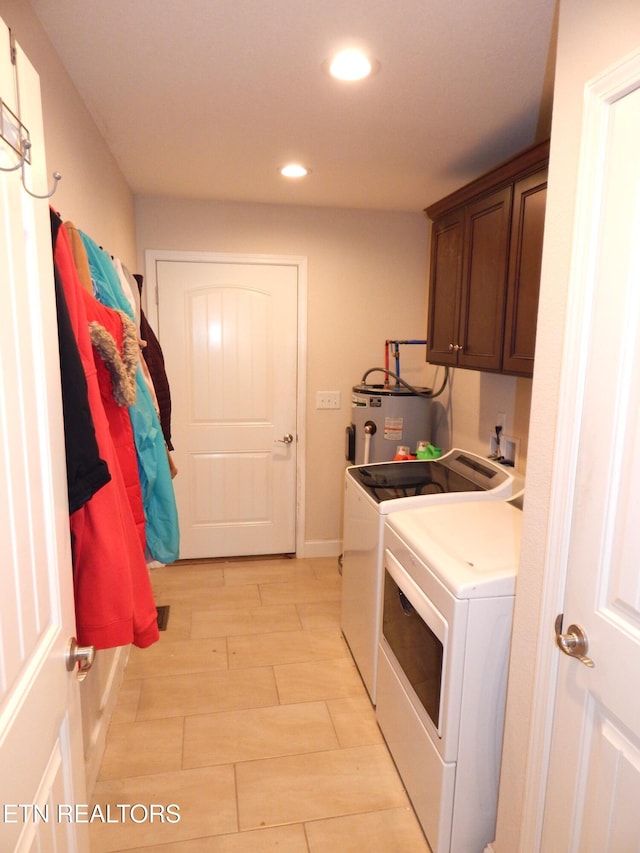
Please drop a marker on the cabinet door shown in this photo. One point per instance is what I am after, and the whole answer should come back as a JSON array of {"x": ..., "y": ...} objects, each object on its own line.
[
  {"x": 525, "y": 259},
  {"x": 444, "y": 287},
  {"x": 483, "y": 294}
]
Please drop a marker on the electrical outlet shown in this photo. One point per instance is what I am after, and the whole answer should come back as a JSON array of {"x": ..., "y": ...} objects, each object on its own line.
[
  {"x": 507, "y": 452},
  {"x": 328, "y": 400},
  {"x": 496, "y": 439},
  {"x": 510, "y": 448}
]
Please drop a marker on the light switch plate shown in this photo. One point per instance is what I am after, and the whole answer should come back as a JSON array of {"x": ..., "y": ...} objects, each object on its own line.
[{"x": 328, "y": 400}]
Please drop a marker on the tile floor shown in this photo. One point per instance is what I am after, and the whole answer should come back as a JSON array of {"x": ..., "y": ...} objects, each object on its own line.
[{"x": 250, "y": 715}]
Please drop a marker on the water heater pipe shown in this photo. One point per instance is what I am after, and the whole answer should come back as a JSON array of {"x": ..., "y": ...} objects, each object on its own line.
[
  {"x": 369, "y": 430},
  {"x": 396, "y": 353},
  {"x": 418, "y": 391}
]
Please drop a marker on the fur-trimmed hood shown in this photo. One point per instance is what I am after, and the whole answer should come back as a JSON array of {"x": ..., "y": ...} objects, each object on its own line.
[{"x": 122, "y": 365}]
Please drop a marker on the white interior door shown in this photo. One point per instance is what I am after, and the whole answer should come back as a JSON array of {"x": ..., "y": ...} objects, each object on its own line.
[
  {"x": 229, "y": 334},
  {"x": 594, "y": 775},
  {"x": 41, "y": 764}
]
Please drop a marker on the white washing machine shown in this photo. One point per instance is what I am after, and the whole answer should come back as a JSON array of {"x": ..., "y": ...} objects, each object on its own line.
[{"x": 371, "y": 493}]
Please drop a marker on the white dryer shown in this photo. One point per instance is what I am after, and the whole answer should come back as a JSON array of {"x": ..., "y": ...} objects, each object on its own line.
[{"x": 449, "y": 587}]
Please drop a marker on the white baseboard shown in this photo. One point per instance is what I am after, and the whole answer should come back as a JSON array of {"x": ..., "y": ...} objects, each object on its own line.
[{"x": 321, "y": 548}]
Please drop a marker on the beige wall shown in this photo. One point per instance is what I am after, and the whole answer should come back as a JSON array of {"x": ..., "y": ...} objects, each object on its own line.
[
  {"x": 366, "y": 283},
  {"x": 610, "y": 30}
]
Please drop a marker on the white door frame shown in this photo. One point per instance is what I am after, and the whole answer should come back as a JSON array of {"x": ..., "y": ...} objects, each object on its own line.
[
  {"x": 150, "y": 294},
  {"x": 599, "y": 95}
]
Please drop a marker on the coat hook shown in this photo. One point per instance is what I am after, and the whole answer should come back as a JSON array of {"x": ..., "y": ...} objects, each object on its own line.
[
  {"x": 13, "y": 168},
  {"x": 23, "y": 156},
  {"x": 56, "y": 175}
]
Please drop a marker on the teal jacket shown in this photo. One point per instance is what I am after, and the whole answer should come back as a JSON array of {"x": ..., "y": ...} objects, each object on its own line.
[{"x": 158, "y": 497}]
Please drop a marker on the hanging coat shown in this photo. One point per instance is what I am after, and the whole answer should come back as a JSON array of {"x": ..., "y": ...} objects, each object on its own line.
[
  {"x": 152, "y": 354},
  {"x": 115, "y": 349},
  {"x": 113, "y": 596},
  {"x": 126, "y": 280},
  {"x": 86, "y": 471},
  {"x": 158, "y": 497}
]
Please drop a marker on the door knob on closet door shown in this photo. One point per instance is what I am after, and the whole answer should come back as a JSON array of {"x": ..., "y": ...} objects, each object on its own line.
[
  {"x": 80, "y": 656},
  {"x": 574, "y": 643},
  {"x": 286, "y": 439}
]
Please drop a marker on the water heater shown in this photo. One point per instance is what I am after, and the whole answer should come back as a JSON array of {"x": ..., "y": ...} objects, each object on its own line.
[{"x": 383, "y": 418}]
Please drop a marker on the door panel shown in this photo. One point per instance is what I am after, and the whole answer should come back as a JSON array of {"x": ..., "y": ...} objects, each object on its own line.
[
  {"x": 525, "y": 264},
  {"x": 444, "y": 288},
  {"x": 40, "y": 729},
  {"x": 484, "y": 281},
  {"x": 612, "y": 795},
  {"x": 229, "y": 336},
  {"x": 227, "y": 329}
]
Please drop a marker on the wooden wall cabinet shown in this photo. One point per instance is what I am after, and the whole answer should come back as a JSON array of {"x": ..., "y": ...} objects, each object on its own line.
[{"x": 486, "y": 251}]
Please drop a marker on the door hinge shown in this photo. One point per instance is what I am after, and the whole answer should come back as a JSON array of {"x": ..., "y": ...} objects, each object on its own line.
[{"x": 13, "y": 53}]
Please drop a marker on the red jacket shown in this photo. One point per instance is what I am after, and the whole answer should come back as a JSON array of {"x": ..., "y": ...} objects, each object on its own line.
[{"x": 113, "y": 595}]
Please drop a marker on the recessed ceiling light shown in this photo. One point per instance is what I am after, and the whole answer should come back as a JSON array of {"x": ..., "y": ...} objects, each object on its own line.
[
  {"x": 351, "y": 64},
  {"x": 294, "y": 170}
]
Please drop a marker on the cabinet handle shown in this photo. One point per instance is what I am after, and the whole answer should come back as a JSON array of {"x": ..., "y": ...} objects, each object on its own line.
[
  {"x": 460, "y": 347},
  {"x": 451, "y": 347}
]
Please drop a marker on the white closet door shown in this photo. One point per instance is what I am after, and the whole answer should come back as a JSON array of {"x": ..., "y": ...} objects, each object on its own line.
[
  {"x": 229, "y": 334},
  {"x": 594, "y": 775},
  {"x": 40, "y": 730}
]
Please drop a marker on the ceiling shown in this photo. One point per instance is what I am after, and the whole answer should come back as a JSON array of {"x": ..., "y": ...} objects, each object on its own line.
[{"x": 208, "y": 98}]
